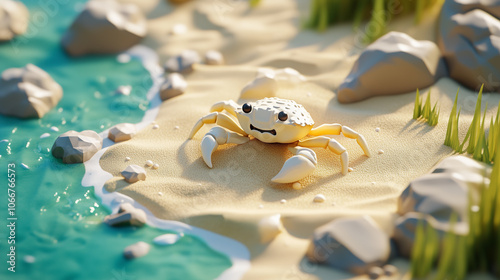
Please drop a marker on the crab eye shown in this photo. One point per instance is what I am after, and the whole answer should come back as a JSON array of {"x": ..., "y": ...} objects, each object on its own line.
[
  {"x": 247, "y": 108},
  {"x": 282, "y": 116}
]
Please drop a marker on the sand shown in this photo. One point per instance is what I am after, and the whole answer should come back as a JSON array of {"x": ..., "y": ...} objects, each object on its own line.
[{"x": 226, "y": 199}]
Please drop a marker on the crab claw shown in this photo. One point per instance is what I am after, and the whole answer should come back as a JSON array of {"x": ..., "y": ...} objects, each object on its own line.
[
  {"x": 215, "y": 137},
  {"x": 297, "y": 167}
]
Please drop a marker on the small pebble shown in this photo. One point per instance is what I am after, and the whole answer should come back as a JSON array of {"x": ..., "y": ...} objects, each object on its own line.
[
  {"x": 390, "y": 270},
  {"x": 377, "y": 129},
  {"x": 124, "y": 90},
  {"x": 334, "y": 204},
  {"x": 373, "y": 183},
  {"x": 283, "y": 201},
  {"x": 474, "y": 208},
  {"x": 176, "y": 127},
  {"x": 178, "y": 29},
  {"x": 156, "y": 166},
  {"x": 375, "y": 272},
  {"x": 319, "y": 198},
  {"x": 166, "y": 239},
  {"x": 261, "y": 206},
  {"x": 160, "y": 193},
  {"x": 380, "y": 152},
  {"x": 54, "y": 128},
  {"x": 25, "y": 166},
  {"x": 45, "y": 135},
  {"x": 156, "y": 126},
  {"x": 350, "y": 169},
  {"x": 308, "y": 94},
  {"x": 297, "y": 186},
  {"x": 149, "y": 163},
  {"x": 214, "y": 58},
  {"x": 29, "y": 259},
  {"x": 123, "y": 58},
  {"x": 136, "y": 250},
  {"x": 127, "y": 158}
]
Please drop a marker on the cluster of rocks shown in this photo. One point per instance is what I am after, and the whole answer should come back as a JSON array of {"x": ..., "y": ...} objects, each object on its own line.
[
  {"x": 467, "y": 51},
  {"x": 360, "y": 246},
  {"x": 14, "y": 17}
]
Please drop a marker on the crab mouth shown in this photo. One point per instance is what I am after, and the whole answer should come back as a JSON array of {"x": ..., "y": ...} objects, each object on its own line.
[{"x": 272, "y": 131}]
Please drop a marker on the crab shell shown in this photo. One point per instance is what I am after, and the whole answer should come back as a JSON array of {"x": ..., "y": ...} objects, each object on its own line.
[{"x": 263, "y": 123}]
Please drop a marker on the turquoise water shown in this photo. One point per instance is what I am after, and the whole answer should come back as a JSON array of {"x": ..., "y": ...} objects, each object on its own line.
[{"x": 59, "y": 232}]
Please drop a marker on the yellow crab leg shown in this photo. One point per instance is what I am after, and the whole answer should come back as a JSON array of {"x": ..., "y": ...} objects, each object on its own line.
[
  {"x": 220, "y": 119},
  {"x": 230, "y": 106},
  {"x": 336, "y": 129}
]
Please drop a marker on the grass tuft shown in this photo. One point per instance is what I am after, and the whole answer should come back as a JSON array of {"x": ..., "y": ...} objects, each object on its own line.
[
  {"x": 425, "y": 111},
  {"x": 324, "y": 13}
]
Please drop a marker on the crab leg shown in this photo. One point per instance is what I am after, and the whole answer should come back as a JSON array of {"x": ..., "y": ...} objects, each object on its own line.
[
  {"x": 230, "y": 106},
  {"x": 218, "y": 136},
  {"x": 297, "y": 167},
  {"x": 336, "y": 129},
  {"x": 333, "y": 145},
  {"x": 220, "y": 119}
]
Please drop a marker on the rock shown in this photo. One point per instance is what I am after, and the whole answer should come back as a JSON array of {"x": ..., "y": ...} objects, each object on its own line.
[
  {"x": 134, "y": 173},
  {"x": 167, "y": 239},
  {"x": 183, "y": 63},
  {"x": 136, "y": 250},
  {"x": 394, "y": 64},
  {"x": 404, "y": 231},
  {"x": 470, "y": 171},
  {"x": 127, "y": 215},
  {"x": 390, "y": 270},
  {"x": 122, "y": 132},
  {"x": 76, "y": 147},
  {"x": 28, "y": 92},
  {"x": 439, "y": 195},
  {"x": 173, "y": 86},
  {"x": 351, "y": 244},
  {"x": 178, "y": 1},
  {"x": 267, "y": 82},
  {"x": 14, "y": 18},
  {"x": 105, "y": 27},
  {"x": 214, "y": 58},
  {"x": 269, "y": 228},
  {"x": 468, "y": 38},
  {"x": 375, "y": 272}
]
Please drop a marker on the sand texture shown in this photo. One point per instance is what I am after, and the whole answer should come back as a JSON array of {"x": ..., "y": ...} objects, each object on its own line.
[{"x": 226, "y": 199}]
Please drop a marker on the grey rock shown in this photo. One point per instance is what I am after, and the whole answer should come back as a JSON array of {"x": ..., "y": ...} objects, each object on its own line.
[
  {"x": 174, "y": 85},
  {"x": 375, "y": 272},
  {"x": 136, "y": 250},
  {"x": 122, "y": 132},
  {"x": 394, "y": 64},
  {"x": 28, "y": 92},
  {"x": 14, "y": 19},
  {"x": 183, "y": 63},
  {"x": 77, "y": 147},
  {"x": 134, "y": 173},
  {"x": 105, "y": 27},
  {"x": 127, "y": 215},
  {"x": 468, "y": 37},
  {"x": 439, "y": 195},
  {"x": 406, "y": 226},
  {"x": 390, "y": 270},
  {"x": 351, "y": 244}
]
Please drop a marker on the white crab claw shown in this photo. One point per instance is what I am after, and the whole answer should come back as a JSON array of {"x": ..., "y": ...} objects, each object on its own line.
[
  {"x": 297, "y": 167},
  {"x": 208, "y": 146}
]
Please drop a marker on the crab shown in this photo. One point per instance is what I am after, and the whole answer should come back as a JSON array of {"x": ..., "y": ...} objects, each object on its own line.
[{"x": 275, "y": 120}]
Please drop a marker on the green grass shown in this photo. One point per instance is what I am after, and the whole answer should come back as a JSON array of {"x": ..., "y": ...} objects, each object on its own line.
[
  {"x": 481, "y": 145},
  {"x": 424, "y": 110},
  {"x": 254, "y": 3},
  {"x": 479, "y": 250},
  {"x": 324, "y": 13}
]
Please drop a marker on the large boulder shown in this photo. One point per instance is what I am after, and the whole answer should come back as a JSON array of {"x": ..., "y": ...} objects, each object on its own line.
[
  {"x": 469, "y": 38},
  {"x": 77, "y": 147},
  {"x": 28, "y": 92},
  {"x": 105, "y": 27},
  {"x": 14, "y": 19},
  {"x": 351, "y": 244},
  {"x": 394, "y": 64}
]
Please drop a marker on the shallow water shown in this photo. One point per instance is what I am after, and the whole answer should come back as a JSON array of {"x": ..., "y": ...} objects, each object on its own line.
[{"x": 59, "y": 232}]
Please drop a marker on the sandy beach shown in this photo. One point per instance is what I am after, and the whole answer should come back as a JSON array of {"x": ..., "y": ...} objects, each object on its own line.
[{"x": 232, "y": 197}]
